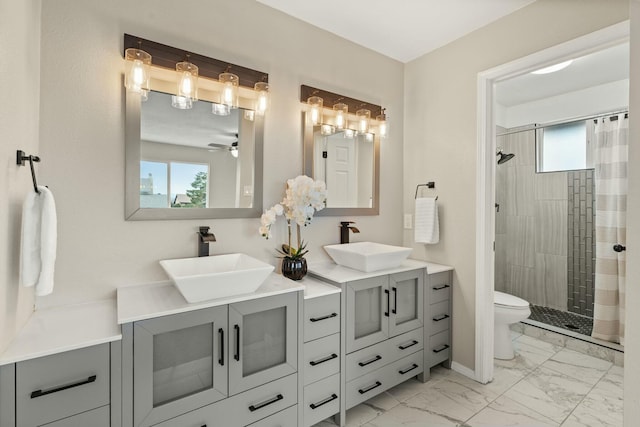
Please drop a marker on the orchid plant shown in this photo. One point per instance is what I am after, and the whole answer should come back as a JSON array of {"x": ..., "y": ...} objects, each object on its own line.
[{"x": 303, "y": 197}]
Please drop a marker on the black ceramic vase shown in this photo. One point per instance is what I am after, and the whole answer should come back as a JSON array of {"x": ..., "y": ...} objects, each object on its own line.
[{"x": 294, "y": 268}]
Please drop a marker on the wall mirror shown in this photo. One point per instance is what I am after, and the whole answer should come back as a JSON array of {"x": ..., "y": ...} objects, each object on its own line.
[{"x": 191, "y": 163}]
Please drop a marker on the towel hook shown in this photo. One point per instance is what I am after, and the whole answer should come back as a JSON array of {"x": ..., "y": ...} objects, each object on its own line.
[
  {"x": 21, "y": 158},
  {"x": 430, "y": 184}
]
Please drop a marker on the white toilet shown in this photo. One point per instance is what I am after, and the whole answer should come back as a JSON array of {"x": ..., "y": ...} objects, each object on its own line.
[{"x": 509, "y": 309}]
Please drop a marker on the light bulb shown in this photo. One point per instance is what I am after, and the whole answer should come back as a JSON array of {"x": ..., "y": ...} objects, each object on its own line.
[
  {"x": 383, "y": 127},
  {"x": 315, "y": 109},
  {"x": 363, "y": 117},
  {"x": 187, "y": 81},
  {"x": 341, "y": 110},
  {"x": 185, "y": 84},
  {"x": 262, "y": 103},
  {"x": 229, "y": 94}
]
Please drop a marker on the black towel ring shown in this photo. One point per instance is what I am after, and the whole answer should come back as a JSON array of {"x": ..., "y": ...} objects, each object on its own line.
[{"x": 21, "y": 158}]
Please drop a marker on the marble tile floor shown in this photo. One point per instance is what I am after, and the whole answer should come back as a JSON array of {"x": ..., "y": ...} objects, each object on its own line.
[{"x": 544, "y": 385}]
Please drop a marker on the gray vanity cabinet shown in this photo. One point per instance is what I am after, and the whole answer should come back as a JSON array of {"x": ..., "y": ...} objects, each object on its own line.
[
  {"x": 437, "y": 330},
  {"x": 179, "y": 363}
]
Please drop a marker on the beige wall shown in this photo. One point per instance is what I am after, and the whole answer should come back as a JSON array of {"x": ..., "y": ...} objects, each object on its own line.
[
  {"x": 440, "y": 129},
  {"x": 82, "y": 130},
  {"x": 19, "y": 86},
  {"x": 632, "y": 333}
]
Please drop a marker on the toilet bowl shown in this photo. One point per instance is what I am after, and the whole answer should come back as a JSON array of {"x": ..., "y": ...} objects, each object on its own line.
[{"x": 508, "y": 309}]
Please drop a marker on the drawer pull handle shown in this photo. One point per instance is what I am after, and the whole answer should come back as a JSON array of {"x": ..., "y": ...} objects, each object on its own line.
[
  {"x": 324, "y": 402},
  {"x": 441, "y": 317},
  {"x": 386, "y": 291},
  {"x": 221, "y": 359},
  {"x": 325, "y": 359},
  {"x": 369, "y": 362},
  {"x": 39, "y": 393},
  {"x": 395, "y": 300},
  {"x": 328, "y": 316},
  {"x": 237, "y": 355},
  {"x": 278, "y": 398},
  {"x": 401, "y": 372},
  {"x": 406, "y": 346},
  {"x": 439, "y": 288},
  {"x": 368, "y": 389},
  {"x": 441, "y": 348}
]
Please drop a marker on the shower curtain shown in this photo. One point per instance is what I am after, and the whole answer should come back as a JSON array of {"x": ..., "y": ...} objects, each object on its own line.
[{"x": 610, "y": 161}]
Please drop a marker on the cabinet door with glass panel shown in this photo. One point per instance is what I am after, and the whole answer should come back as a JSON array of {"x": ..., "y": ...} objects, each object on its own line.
[
  {"x": 368, "y": 309},
  {"x": 180, "y": 364},
  {"x": 263, "y": 341},
  {"x": 406, "y": 301}
]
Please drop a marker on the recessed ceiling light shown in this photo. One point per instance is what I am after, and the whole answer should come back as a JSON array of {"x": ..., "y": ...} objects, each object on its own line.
[{"x": 553, "y": 68}]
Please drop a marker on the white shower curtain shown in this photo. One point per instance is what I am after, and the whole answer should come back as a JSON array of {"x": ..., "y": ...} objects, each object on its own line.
[{"x": 610, "y": 162}]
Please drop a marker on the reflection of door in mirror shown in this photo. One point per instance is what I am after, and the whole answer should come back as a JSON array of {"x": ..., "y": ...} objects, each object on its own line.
[
  {"x": 345, "y": 162},
  {"x": 192, "y": 158}
]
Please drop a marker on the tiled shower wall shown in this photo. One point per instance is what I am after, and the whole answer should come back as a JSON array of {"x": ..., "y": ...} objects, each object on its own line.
[
  {"x": 531, "y": 226},
  {"x": 581, "y": 247}
]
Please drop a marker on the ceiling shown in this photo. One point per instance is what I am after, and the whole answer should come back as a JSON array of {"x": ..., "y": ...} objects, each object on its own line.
[{"x": 403, "y": 29}]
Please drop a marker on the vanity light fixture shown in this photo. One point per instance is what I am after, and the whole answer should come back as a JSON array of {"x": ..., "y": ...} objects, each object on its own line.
[
  {"x": 138, "y": 71},
  {"x": 383, "y": 126},
  {"x": 262, "y": 102},
  {"x": 220, "y": 109},
  {"x": 187, "y": 77},
  {"x": 181, "y": 102},
  {"x": 315, "y": 109},
  {"x": 341, "y": 109},
  {"x": 229, "y": 94},
  {"x": 363, "y": 116}
]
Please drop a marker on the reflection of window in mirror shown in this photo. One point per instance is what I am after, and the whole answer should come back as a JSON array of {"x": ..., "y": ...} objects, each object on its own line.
[{"x": 173, "y": 184}]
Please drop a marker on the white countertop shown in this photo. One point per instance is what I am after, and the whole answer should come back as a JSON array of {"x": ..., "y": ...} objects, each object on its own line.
[
  {"x": 339, "y": 274},
  {"x": 163, "y": 298},
  {"x": 63, "y": 328},
  {"x": 314, "y": 288},
  {"x": 433, "y": 268}
]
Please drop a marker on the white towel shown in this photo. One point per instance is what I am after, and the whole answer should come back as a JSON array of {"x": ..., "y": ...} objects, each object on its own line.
[
  {"x": 427, "y": 229},
  {"x": 39, "y": 238}
]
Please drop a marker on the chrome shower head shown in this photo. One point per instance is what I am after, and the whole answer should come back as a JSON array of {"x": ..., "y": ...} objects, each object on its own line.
[{"x": 504, "y": 157}]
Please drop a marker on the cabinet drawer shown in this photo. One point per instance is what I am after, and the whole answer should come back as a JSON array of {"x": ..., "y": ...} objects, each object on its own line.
[
  {"x": 439, "y": 348},
  {"x": 371, "y": 358},
  {"x": 321, "y": 400},
  {"x": 260, "y": 402},
  {"x": 321, "y": 358},
  {"x": 439, "y": 287},
  {"x": 95, "y": 418},
  {"x": 64, "y": 384},
  {"x": 376, "y": 382},
  {"x": 321, "y": 316},
  {"x": 286, "y": 418},
  {"x": 440, "y": 317}
]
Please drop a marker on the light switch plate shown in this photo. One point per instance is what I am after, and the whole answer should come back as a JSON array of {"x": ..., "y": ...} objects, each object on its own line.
[{"x": 407, "y": 221}]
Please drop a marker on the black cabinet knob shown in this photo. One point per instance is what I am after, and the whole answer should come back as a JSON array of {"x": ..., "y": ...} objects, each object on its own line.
[{"x": 619, "y": 248}]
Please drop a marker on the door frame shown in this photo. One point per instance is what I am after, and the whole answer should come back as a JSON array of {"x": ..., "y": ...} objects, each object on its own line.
[{"x": 486, "y": 168}]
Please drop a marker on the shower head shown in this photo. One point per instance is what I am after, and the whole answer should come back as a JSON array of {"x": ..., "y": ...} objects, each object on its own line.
[{"x": 504, "y": 157}]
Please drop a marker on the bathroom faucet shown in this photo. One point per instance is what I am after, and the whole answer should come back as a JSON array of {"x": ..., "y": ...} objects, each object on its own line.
[
  {"x": 204, "y": 237},
  {"x": 344, "y": 231}
]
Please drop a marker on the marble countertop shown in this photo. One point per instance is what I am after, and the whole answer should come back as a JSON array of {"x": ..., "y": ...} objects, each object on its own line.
[
  {"x": 314, "y": 288},
  {"x": 63, "y": 328},
  {"x": 339, "y": 274},
  {"x": 141, "y": 302}
]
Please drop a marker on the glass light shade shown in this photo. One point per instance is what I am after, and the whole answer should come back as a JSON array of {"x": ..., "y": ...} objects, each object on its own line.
[
  {"x": 341, "y": 110},
  {"x": 220, "y": 109},
  {"x": 349, "y": 133},
  {"x": 262, "y": 102},
  {"x": 187, "y": 80},
  {"x": 327, "y": 130},
  {"x": 249, "y": 115},
  {"x": 229, "y": 94},
  {"x": 137, "y": 71},
  {"x": 363, "y": 116},
  {"x": 315, "y": 109},
  {"x": 181, "y": 102},
  {"x": 383, "y": 126}
]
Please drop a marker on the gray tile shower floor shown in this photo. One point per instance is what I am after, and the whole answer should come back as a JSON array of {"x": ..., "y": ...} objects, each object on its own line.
[
  {"x": 545, "y": 385},
  {"x": 562, "y": 319}
]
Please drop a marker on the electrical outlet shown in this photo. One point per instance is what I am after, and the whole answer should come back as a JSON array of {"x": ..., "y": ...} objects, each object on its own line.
[{"x": 407, "y": 221}]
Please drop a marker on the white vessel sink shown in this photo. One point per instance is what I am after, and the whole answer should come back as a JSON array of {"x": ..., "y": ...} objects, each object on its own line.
[
  {"x": 218, "y": 276},
  {"x": 367, "y": 256}
]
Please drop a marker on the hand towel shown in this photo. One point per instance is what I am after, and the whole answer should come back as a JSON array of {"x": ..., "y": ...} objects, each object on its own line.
[
  {"x": 427, "y": 229},
  {"x": 39, "y": 240}
]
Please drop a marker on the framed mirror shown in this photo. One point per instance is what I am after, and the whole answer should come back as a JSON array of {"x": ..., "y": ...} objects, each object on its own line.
[
  {"x": 348, "y": 162},
  {"x": 191, "y": 164}
]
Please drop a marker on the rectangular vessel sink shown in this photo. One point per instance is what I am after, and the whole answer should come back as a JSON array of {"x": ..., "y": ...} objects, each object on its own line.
[
  {"x": 368, "y": 256},
  {"x": 218, "y": 276}
]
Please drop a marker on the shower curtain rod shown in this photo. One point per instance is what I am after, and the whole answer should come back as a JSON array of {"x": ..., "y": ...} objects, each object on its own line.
[{"x": 559, "y": 122}]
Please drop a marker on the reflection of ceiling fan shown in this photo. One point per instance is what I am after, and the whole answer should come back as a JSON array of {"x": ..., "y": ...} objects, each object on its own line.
[{"x": 232, "y": 148}]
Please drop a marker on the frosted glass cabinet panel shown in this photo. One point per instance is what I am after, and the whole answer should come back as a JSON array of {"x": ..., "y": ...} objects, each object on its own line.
[
  {"x": 406, "y": 299},
  {"x": 367, "y": 312},
  {"x": 263, "y": 337},
  {"x": 179, "y": 363}
]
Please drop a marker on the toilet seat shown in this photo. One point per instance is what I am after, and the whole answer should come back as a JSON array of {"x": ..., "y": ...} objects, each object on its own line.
[{"x": 509, "y": 301}]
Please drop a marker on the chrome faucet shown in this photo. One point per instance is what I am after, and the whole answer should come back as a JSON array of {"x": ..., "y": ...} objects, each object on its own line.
[
  {"x": 204, "y": 237},
  {"x": 344, "y": 231}
]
